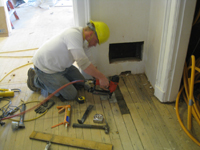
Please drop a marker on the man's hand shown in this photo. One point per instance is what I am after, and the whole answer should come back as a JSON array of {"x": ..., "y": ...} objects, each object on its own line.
[{"x": 104, "y": 83}]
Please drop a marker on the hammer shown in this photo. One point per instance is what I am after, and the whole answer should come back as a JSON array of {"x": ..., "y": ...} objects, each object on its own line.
[{"x": 104, "y": 127}]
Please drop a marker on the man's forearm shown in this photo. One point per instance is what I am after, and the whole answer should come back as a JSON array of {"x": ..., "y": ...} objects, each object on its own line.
[{"x": 91, "y": 70}]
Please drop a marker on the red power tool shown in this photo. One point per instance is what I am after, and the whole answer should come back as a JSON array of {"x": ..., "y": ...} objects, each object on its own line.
[{"x": 112, "y": 86}]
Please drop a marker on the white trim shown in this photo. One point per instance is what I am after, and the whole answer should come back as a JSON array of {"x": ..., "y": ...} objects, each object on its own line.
[
  {"x": 81, "y": 9},
  {"x": 170, "y": 66},
  {"x": 87, "y": 11},
  {"x": 168, "y": 38},
  {"x": 75, "y": 11}
]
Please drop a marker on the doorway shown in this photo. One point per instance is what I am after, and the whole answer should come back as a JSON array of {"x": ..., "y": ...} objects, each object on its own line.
[{"x": 37, "y": 23}]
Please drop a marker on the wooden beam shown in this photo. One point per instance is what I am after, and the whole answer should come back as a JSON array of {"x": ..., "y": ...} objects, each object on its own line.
[{"x": 69, "y": 141}]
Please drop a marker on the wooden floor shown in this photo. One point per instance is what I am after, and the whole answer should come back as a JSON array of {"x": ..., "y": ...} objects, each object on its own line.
[{"x": 150, "y": 125}]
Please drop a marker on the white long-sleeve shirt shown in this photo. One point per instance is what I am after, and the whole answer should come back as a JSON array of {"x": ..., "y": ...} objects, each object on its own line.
[{"x": 61, "y": 51}]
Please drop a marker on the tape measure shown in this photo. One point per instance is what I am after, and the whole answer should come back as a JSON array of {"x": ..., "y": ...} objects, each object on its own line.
[{"x": 81, "y": 99}]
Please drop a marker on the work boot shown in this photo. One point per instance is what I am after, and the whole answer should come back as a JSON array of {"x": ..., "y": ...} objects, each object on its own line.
[{"x": 30, "y": 80}]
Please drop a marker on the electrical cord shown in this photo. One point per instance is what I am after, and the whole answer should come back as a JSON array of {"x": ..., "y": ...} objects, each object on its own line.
[
  {"x": 193, "y": 106},
  {"x": 15, "y": 69},
  {"x": 19, "y": 51},
  {"x": 32, "y": 118}
]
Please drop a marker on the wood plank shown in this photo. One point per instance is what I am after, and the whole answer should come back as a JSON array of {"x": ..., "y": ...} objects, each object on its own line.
[
  {"x": 149, "y": 108},
  {"x": 62, "y": 131},
  {"x": 131, "y": 99},
  {"x": 55, "y": 121},
  {"x": 182, "y": 135},
  {"x": 132, "y": 131},
  {"x": 122, "y": 130},
  {"x": 171, "y": 125},
  {"x": 99, "y": 110},
  {"x": 86, "y": 132},
  {"x": 158, "y": 116},
  {"x": 76, "y": 115},
  {"x": 72, "y": 131},
  {"x": 69, "y": 141},
  {"x": 95, "y": 133},
  {"x": 114, "y": 136},
  {"x": 20, "y": 133},
  {"x": 39, "y": 123}
]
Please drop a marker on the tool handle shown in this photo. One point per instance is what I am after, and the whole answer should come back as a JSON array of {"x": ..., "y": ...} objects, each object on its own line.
[
  {"x": 57, "y": 125},
  {"x": 86, "y": 114},
  {"x": 76, "y": 125},
  {"x": 63, "y": 108},
  {"x": 21, "y": 121}
]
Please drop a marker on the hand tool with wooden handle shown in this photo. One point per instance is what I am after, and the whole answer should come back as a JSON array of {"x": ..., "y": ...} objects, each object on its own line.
[{"x": 104, "y": 127}]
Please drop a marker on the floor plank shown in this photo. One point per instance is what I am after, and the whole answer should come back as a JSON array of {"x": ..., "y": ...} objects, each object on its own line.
[
  {"x": 122, "y": 130},
  {"x": 131, "y": 99}
]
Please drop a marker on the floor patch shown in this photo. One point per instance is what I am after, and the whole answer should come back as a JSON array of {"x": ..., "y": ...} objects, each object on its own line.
[{"x": 121, "y": 102}]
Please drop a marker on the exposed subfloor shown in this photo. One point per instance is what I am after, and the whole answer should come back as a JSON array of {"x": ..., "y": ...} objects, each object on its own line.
[{"x": 149, "y": 125}]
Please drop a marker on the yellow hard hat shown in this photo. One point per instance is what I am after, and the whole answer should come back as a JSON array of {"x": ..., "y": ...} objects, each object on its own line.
[{"x": 101, "y": 30}]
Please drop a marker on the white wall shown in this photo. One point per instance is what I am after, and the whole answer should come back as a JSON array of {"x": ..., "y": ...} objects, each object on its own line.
[{"x": 128, "y": 21}]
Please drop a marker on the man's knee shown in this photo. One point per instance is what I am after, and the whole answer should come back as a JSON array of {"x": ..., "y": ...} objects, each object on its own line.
[{"x": 70, "y": 95}]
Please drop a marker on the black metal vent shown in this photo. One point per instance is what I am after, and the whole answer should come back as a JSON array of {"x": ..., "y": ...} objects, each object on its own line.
[{"x": 125, "y": 52}]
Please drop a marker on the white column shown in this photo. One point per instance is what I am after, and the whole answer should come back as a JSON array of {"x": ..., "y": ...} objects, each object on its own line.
[{"x": 175, "y": 39}]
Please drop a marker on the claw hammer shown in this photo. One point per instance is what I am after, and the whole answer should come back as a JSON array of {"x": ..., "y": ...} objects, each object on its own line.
[{"x": 104, "y": 127}]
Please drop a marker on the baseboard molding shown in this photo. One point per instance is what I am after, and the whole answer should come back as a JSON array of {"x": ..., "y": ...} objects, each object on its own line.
[{"x": 159, "y": 94}]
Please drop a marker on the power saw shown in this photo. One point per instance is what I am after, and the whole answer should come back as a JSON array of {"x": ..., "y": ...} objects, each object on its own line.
[{"x": 95, "y": 89}]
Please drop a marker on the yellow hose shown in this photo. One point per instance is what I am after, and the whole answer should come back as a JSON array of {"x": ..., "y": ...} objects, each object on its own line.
[
  {"x": 179, "y": 119},
  {"x": 189, "y": 122},
  {"x": 193, "y": 106},
  {"x": 18, "y": 51},
  {"x": 15, "y": 69}
]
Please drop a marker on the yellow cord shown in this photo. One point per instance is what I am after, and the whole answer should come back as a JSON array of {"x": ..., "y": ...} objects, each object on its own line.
[
  {"x": 19, "y": 51},
  {"x": 33, "y": 118},
  {"x": 16, "y": 56},
  {"x": 189, "y": 98},
  {"x": 179, "y": 119},
  {"x": 191, "y": 94},
  {"x": 15, "y": 69}
]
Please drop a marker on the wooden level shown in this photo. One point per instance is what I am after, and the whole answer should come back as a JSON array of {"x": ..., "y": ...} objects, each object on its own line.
[{"x": 80, "y": 143}]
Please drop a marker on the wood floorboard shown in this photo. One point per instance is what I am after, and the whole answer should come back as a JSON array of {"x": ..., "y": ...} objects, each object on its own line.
[
  {"x": 105, "y": 138},
  {"x": 159, "y": 120},
  {"x": 122, "y": 130},
  {"x": 152, "y": 117},
  {"x": 147, "y": 116},
  {"x": 132, "y": 100},
  {"x": 114, "y": 136}
]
